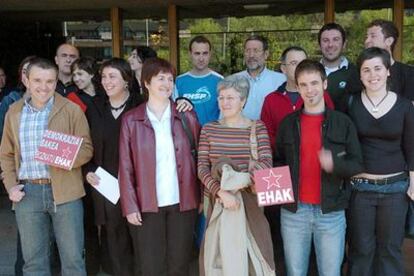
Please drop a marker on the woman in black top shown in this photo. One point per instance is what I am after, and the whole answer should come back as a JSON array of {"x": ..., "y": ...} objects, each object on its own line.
[
  {"x": 105, "y": 120},
  {"x": 136, "y": 59},
  {"x": 385, "y": 125}
]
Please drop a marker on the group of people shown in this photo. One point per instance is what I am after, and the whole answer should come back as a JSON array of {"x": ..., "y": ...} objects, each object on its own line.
[{"x": 345, "y": 132}]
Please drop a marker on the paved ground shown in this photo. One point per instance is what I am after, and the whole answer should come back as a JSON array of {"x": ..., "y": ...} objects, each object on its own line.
[{"x": 8, "y": 244}]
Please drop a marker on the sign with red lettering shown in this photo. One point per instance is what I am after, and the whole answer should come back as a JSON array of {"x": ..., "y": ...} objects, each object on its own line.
[
  {"x": 58, "y": 149},
  {"x": 273, "y": 186}
]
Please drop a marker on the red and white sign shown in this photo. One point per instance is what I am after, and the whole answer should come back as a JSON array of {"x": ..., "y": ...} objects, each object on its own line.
[
  {"x": 273, "y": 186},
  {"x": 58, "y": 149}
]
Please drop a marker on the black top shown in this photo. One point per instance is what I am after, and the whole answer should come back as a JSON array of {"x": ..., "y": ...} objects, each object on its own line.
[
  {"x": 65, "y": 89},
  {"x": 105, "y": 138},
  {"x": 402, "y": 80},
  {"x": 387, "y": 142}
]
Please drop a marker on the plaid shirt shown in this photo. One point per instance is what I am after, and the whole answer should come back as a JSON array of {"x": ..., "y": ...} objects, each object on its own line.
[{"x": 33, "y": 123}]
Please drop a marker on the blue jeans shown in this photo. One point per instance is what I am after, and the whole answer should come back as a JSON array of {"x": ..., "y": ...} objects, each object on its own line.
[
  {"x": 327, "y": 232},
  {"x": 36, "y": 216}
]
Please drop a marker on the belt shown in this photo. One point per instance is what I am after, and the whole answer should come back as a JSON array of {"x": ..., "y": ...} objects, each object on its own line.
[
  {"x": 40, "y": 181},
  {"x": 381, "y": 181}
]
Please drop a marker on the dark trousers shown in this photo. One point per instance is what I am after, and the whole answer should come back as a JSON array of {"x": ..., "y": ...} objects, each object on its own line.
[
  {"x": 119, "y": 242},
  {"x": 164, "y": 242},
  {"x": 377, "y": 233}
]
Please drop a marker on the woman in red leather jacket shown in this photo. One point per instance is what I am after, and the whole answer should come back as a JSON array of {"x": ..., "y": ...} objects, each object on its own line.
[{"x": 160, "y": 193}]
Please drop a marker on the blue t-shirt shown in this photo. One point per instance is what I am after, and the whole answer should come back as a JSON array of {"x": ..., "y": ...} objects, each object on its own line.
[{"x": 202, "y": 91}]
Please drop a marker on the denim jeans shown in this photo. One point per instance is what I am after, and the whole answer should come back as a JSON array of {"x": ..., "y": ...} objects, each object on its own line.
[
  {"x": 327, "y": 232},
  {"x": 377, "y": 233},
  {"x": 36, "y": 216}
]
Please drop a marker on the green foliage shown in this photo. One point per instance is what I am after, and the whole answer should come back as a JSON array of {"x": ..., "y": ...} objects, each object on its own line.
[{"x": 227, "y": 36}]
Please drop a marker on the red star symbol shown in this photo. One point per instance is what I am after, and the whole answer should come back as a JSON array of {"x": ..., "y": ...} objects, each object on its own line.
[
  {"x": 66, "y": 152},
  {"x": 272, "y": 180}
]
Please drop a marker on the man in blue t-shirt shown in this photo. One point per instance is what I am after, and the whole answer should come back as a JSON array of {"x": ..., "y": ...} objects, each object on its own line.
[{"x": 200, "y": 84}]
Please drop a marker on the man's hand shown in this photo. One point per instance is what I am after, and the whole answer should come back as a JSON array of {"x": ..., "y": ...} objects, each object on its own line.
[
  {"x": 326, "y": 160},
  {"x": 16, "y": 193},
  {"x": 135, "y": 218}
]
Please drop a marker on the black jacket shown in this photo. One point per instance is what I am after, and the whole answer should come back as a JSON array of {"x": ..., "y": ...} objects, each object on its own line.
[{"x": 338, "y": 135}]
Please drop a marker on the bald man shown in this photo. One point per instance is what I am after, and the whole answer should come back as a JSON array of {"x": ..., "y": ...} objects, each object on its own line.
[{"x": 66, "y": 54}]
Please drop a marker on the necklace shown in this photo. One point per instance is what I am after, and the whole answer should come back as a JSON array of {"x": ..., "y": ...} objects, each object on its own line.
[
  {"x": 119, "y": 107},
  {"x": 375, "y": 108}
]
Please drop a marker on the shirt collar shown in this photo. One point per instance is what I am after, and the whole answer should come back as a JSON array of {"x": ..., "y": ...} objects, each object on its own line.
[
  {"x": 259, "y": 76},
  {"x": 165, "y": 116},
  {"x": 48, "y": 106},
  {"x": 344, "y": 64}
]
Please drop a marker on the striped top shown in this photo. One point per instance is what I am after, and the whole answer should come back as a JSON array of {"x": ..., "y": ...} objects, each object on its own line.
[{"x": 217, "y": 141}]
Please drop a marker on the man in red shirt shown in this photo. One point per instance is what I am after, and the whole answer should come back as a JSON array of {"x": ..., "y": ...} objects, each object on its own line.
[{"x": 321, "y": 147}]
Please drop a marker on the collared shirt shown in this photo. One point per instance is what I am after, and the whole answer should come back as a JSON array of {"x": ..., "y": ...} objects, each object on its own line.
[
  {"x": 166, "y": 168},
  {"x": 33, "y": 123},
  {"x": 262, "y": 85},
  {"x": 344, "y": 63}
]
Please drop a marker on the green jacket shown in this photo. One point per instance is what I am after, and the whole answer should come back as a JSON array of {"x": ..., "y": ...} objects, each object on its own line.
[{"x": 338, "y": 135}]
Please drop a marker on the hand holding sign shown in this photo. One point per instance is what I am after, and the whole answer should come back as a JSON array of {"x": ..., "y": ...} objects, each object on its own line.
[{"x": 273, "y": 186}]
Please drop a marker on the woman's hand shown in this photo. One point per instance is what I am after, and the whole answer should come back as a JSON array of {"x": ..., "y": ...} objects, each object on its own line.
[
  {"x": 228, "y": 200},
  {"x": 92, "y": 178},
  {"x": 410, "y": 191},
  {"x": 135, "y": 218},
  {"x": 184, "y": 105}
]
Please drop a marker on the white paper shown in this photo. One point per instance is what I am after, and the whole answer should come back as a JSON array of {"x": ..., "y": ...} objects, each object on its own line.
[{"x": 108, "y": 185}]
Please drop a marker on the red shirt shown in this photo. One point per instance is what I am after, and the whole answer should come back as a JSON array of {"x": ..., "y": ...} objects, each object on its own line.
[{"x": 309, "y": 167}]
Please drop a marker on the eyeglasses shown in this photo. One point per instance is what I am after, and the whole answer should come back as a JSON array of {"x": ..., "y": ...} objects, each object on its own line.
[{"x": 254, "y": 51}]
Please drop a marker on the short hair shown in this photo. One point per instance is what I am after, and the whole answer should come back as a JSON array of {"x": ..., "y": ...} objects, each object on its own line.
[
  {"x": 332, "y": 26},
  {"x": 86, "y": 63},
  {"x": 374, "y": 52},
  {"x": 151, "y": 68},
  {"x": 42, "y": 63},
  {"x": 122, "y": 66},
  {"x": 260, "y": 38},
  {"x": 64, "y": 44},
  {"x": 145, "y": 52},
  {"x": 89, "y": 65},
  {"x": 239, "y": 83},
  {"x": 28, "y": 60},
  {"x": 199, "y": 39},
  {"x": 308, "y": 65},
  {"x": 289, "y": 49},
  {"x": 388, "y": 29}
]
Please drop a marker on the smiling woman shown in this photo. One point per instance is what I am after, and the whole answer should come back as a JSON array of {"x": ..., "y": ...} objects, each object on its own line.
[{"x": 159, "y": 191}]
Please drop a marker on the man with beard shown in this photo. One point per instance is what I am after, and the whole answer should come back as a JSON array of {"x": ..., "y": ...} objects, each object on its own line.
[
  {"x": 343, "y": 78},
  {"x": 383, "y": 34},
  {"x": 262, "y": 80}
]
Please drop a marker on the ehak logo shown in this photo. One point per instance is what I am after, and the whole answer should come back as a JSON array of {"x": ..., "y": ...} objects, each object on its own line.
[
  {"x": 202, "y": 95},
  {"x": 342, "y": 84}
]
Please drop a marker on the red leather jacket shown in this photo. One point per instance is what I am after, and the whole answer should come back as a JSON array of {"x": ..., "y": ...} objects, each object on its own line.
[{"x": 137, "y": 177}]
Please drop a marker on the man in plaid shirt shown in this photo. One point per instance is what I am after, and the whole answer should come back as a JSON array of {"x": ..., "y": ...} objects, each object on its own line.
[{"x": 45, "y": 198}]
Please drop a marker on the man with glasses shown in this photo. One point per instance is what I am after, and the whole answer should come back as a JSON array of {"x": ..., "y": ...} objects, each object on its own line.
[
  {"x": 262, "y": 80},
  {"x": 343, "y": 77}
]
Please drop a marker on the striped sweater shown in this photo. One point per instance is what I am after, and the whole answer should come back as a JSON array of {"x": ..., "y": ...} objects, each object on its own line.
[{"x": 217, "y": 140}]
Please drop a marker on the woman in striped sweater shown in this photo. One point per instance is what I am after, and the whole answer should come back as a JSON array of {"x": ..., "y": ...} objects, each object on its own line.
[{"x": 227, "y": 141}]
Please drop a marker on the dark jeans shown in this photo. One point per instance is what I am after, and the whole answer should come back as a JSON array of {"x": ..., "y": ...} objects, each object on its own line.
[
  {"x": 377, "y": 233},
  {"x": 164, "y": 241}
]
